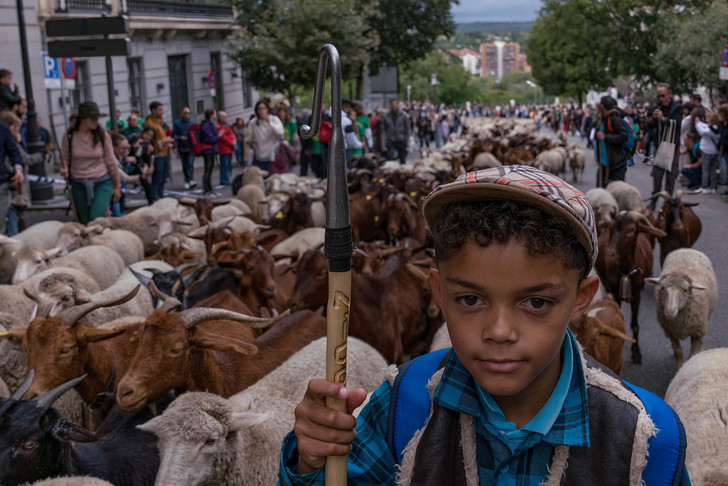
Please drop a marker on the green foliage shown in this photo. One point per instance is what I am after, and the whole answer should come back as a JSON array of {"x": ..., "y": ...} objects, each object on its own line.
[
  {"x": 691, "y": 57},
  {"x": 495, "y": 27},
  {"x": 566, "y": 52},
  {"x": 407, "y": 29},
  {"x": 279, "y": 40}
]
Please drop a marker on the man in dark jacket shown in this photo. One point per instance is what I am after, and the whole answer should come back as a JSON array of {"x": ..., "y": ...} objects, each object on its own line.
[
  {"x": 9, "y": 95},
  {"x": 8, "y": 148},
  {"x": 611, "y": 138},
  {"x": 180, "y": 135},
  {"x": 396, "y": 127},
  {"x": 667, "y": 110}
]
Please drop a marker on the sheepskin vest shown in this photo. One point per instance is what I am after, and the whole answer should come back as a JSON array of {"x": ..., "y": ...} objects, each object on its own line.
[{"x": 443, "y": 451}]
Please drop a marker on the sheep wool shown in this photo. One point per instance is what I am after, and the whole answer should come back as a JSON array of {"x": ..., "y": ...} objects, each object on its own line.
[{"x": 697, "y": 394}]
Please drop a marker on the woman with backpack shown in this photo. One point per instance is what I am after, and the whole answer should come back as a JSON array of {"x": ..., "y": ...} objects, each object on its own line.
[
  {"x": 209, "y": 137},
  {"x": 88, "y": 161}
]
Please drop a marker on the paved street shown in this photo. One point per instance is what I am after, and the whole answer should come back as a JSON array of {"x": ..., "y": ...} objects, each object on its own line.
[{"x": 658, "y": 365}]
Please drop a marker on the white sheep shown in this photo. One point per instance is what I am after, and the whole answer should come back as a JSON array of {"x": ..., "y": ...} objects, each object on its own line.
[
  {"x": 485, "y": 160},
  {"x": 254, "y": 175},
  {"x": 72, "y": 481},
  {"x": 627, "y": 196},
  {"x": 577, "y": 160},
  {"x": 43, "y": 235},
  {"x": 298, "y": 243},
  {"x": 697, "y": 394},
  {"x": 99, "y": 262},
  {"x": 254, "y": 197},
  {"x": 687, "y": 292},
  {"x": 603, "y": 203},
  {"x": 75, "y": 235},
  {"x": 206, "y": 439},
  {"x": 551, "y": 160}
]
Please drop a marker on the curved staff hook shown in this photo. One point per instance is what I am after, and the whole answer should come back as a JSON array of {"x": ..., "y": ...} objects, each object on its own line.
[{"x": 338, "y": 245}]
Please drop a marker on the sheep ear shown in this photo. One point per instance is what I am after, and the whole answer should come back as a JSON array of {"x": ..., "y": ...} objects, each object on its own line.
[
  {"x": 245, "y": 420},
  {"x": 152, "y": 426},
  {"x": 82, "y": 296},
  {"x": 653, "y": 281},
  {"x": 221, "y": 343}
]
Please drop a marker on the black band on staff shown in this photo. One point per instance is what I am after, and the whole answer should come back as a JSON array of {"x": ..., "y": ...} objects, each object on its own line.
[{"x": 338, "y": 247}]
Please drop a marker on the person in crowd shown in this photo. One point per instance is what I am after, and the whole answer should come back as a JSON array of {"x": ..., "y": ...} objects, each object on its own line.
[
  {"x": 11, "y": 173},
  {"x": 362, "y": 119},
  {"x": 396, "y": 127},
  {"x": 265, "y": 133},
  {"x": 693, "y": 169},
  {"x": 133, "y": 129},
  {"x": 226, "y": 147},
  {"x": 127, "y": 166},
  {"x": 9, "y": 92},
  {"x": 142, "y": 151},
  {"x": 209, "y": 137},
  {"x": 88, "y": 161},
  {"x": 444, "y": 128},
  {"x": 686, "y": 126},
  {"x": 181, "y": 138},
  {"x": 707, "y": 127},
  {"x": 161, "y": 148},
  {"x": 45, "y": 135},
  {"x": 241, "y": 149},
  {"x": 667, "y": 111},
  {"x": 357, "y": 135},
  {"x": 423, "y": 129},
  {"x": 120, "y": 123},
  {"x": 290, "y": 127},
  {"x": 515, "y": 397},
  {"x": 611, "y": 137},
  {"x": 723, "y": 127}
]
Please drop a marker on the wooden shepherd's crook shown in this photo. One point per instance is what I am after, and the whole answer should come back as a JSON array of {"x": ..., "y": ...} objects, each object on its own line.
[{"x": 338, "y": 245}]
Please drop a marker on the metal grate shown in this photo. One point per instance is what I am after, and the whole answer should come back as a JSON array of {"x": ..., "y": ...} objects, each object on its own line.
[{"x": 163, "y": 7}]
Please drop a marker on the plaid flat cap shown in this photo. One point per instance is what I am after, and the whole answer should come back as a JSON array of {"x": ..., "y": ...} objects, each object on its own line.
[{"x": 525, "y": 184}]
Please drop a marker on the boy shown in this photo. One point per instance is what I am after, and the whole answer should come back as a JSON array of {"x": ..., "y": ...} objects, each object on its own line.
[
  {"x": 509, "y": 402},
  {"x": 694, "y": 170}
]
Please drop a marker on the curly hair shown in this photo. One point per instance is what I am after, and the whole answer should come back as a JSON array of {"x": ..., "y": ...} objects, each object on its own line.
[{"x": 488, "y": 222}]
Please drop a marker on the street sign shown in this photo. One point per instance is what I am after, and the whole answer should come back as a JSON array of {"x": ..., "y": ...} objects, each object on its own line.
[
  {"x": 51, "y": 74},
  {"x": 69, "y": 67},
  {"x": 211, "y": 79},
  {"x": 724, "y": 63},
  {"x": 89, "y": 48},
  {"x": 87, "y": 26}
]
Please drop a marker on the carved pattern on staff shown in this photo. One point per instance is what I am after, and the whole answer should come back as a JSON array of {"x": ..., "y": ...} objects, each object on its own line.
[{"x": 341, "y": 302}]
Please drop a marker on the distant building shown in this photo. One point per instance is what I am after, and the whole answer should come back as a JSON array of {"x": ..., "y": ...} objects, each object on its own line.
[
  {"x": 502, "y": 58},
  {"x": 471, "y": 60}
]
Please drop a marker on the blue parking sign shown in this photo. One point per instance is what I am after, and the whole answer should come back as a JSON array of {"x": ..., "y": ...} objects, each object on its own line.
[{"x": 51, "y": 73}]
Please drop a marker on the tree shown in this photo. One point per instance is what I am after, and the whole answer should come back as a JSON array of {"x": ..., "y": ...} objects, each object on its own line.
[
  {"x": 407, "y": 29},
  {"x": 454, "y": 82},
  {"x": 566, "y": 51},
  {"x": 690, "y": 58},
  {"x": 279, "y": 40}
]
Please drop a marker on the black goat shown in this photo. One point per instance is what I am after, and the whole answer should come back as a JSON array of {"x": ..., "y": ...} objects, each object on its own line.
[{"x": 37, "y": 442}]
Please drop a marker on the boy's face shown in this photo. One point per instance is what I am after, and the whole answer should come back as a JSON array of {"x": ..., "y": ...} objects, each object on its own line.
[{"x": 507, "y": 314}]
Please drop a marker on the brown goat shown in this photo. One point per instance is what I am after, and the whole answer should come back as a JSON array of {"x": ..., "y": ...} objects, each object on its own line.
[
  {"x": 625, "y": 261},
  {"x": 681, "y": 225},
  {"x": 602, "y": 333},
  {"x": 174, "y": 353}
]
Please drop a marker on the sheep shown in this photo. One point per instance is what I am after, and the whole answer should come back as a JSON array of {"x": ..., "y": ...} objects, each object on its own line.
[
  {"x": 254, "y": 197},
  {"x": 550, "y": 161},
  {"x": 604, "y": 205},
  {"x": 577, "y": 160},
  {"x": 485, "y": 160},
  {"x": 254, "y": 175},
  {"x": 697, "y": 395},
  {"x": 247, "y": 441},
  {"x": 8, "y": 246},
  {"x": 103, "y": 264},
  {"x": 44, "y": 235},
  {"x": 297, "y": 244},
  {"x": 687, "y": 292},
  {"x": 4, "y": 390},
  {"x": 227, "y": 211},
  {"x": 72, "y": 481},
  {"x": 627, "y": 196},
  {"x": 75, "y": 235}
]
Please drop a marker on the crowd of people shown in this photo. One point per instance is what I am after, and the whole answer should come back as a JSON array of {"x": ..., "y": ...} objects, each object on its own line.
[{"x": 99, "y": 164}]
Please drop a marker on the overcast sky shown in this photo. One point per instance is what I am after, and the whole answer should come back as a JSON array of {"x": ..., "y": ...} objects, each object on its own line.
[{"x": 495, "y": 10}]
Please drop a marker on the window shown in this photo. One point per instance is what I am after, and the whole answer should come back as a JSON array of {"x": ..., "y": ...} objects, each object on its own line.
[
  {"x": 247, "y": 92},
  {"x": 136, "y": 97},
  {"x": 216, "y": 67},
  {"x": 82, "y": 91}
]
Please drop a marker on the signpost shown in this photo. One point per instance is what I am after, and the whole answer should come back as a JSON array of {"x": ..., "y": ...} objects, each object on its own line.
[
  {"x": 724, "y": 63},
  {"x": 211, "y": 83},
  {"x": 51, "y": 72}
]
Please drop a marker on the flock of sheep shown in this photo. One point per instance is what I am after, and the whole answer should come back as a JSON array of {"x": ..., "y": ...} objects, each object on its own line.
[{"x": 52, "y": 268}]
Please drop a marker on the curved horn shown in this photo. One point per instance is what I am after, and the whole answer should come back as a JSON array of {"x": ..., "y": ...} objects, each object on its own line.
[
  {"x": 74, "y": 314},
  {"x": 46, "y": 401},
  {"x": 361, "y": 252},
  {"x": 663, "y": 194},
  {"x": 24, "y": 387},
  {"x": 195, "y": 316},
  {"x": 181, "y": 268},
  {"x": 43, "y": 307},
  {"x": 168, "y": 303},
  {"x": 141, "y": 277}
]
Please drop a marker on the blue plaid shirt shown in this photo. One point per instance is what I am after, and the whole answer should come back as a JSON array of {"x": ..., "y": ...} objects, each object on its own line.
[{"x": 370, "y": 461}]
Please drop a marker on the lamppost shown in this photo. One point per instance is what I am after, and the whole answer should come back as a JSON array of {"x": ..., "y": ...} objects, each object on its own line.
[
  {"x": 535, "y": 89},
  {"x": 39, "y": 190},
  {"x": 409, "y": 91}
]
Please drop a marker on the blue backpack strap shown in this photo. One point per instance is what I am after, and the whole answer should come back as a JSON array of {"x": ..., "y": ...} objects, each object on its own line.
[
  {"x": 409, "y": 404},
  {"x": 666, "y": 462}
]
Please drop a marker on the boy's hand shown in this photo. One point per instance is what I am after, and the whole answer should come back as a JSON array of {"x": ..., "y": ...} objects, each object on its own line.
[{"x": 323, "y": 432}]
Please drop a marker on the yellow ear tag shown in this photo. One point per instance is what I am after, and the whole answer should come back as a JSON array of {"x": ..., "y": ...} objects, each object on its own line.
[
  {"x": 279, "y": 215},
  {"x": 376, "y": 219},
  {"x": 422, "y": 198},
  {"x": 413, "y": 194},
  {"x": 381, "y": 181},
  {"x": 369, "y": 197}
]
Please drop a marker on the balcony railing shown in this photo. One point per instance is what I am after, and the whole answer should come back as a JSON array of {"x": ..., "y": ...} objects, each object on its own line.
[{"x": 165, "y": 8}]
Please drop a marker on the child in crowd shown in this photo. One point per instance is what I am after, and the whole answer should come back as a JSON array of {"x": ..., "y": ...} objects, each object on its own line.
[
  {"x": 693, "y": 170},
  {"x": 515, "y": 401}
]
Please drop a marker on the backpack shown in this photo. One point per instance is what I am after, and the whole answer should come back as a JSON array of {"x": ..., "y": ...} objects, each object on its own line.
[
  {"x": 325, "y": 131},
  {"x": 409, "y": 407},
  {"x": 631, "y": 143},
  {"x": 194, "y": 134}
]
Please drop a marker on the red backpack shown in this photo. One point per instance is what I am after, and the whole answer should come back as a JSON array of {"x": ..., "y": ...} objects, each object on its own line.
[{"x": 195, "y": 138}]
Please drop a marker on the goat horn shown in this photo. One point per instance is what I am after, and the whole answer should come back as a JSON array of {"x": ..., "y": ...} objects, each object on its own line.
[
  {"x": 195, "y": 316},
  {"x": 43, "y": 306},
  {"x": 612, "y": 332},
  {"x": 142, "y": 278},
  {"x": 74, "y": 314},
  {"x": 18, "y": 393},
  {"x": 187, "y": 201},
  {"x": 361, "y": 252},
  {"x": 185, "y": 266},
  {"x": 663, "y": 194},
  {"x": 168, "y": 303},
  {"x": 45, "y": 401}
]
